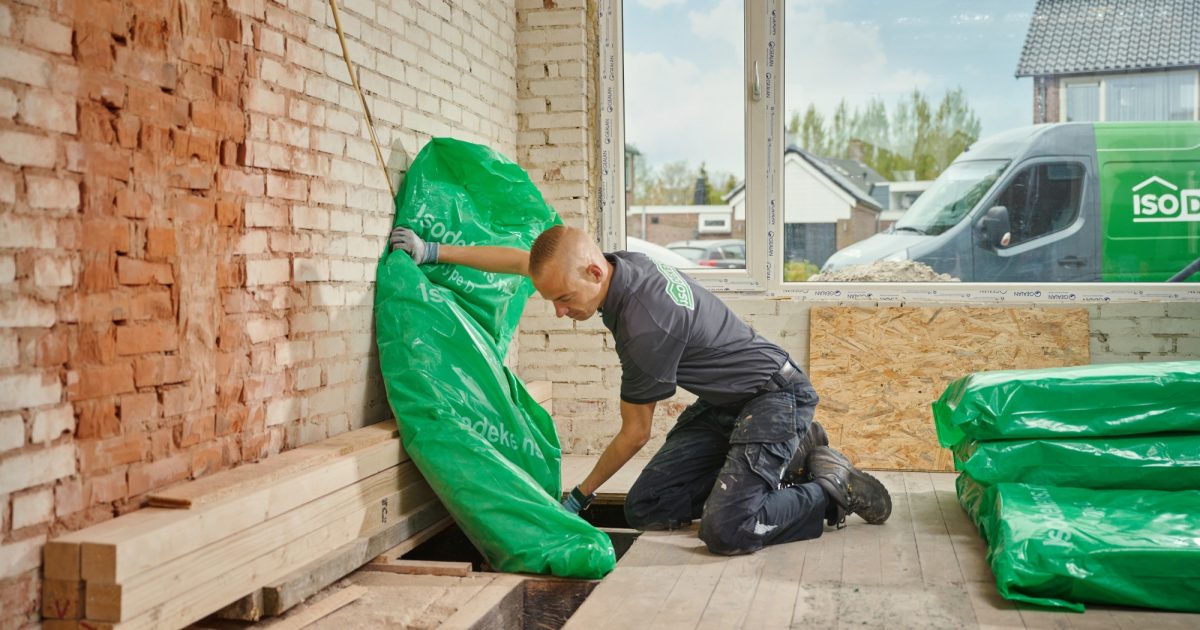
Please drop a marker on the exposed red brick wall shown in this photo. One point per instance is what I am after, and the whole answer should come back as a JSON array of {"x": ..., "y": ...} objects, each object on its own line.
[{"x": 190, "y": 218}]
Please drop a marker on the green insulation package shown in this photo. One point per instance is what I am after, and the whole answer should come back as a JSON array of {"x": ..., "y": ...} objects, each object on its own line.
[
  {"x": 1152, "y": 462},
  {"x": 1084, "y": 401},
  {"x": 1063, "y": 547},
  {"x": 488, "y": 450}
]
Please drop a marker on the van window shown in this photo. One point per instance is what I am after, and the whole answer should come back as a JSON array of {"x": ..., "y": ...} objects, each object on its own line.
[
  {"x": 1043, "y": 199},
  {"x": 951, "y": 197}
]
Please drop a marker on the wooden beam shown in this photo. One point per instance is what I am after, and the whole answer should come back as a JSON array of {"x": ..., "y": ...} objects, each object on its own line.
[
  {"x": 249, "y": 477},
  {"x": 421, "y": 567},
  {"x": 62, "y": 599},
  {"x": 60, "y": 557},
  {"x": 117, "y": 550},
  {"x": 406, "y": 535},
  {"x": 204, "y": 598},
  {"x": 402, "y": 487},
  {"x": 497, "y": 607},
  {"x": 320, "y": 609}
]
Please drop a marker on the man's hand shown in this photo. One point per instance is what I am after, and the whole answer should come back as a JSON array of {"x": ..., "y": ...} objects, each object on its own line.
[
  {"x": 422, "y": 252},
  {"x": 577, "y": 501}
]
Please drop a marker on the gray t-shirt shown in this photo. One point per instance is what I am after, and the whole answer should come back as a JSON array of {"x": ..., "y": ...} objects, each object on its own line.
[{"x": 672, "y": 332}]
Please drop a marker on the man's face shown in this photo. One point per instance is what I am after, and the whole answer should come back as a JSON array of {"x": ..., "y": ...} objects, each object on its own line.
[{"x": 574, "y": 294}]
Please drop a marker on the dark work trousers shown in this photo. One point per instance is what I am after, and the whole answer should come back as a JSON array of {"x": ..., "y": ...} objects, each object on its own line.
[{"x": 723, "y": 465}]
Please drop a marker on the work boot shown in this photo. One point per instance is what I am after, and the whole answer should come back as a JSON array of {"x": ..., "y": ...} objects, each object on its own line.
[
  {"x": 854, "y": 491},
  {"x": 797, "y": 469}
]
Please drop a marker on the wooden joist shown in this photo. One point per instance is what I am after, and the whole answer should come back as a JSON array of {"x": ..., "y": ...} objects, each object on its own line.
[
  {"x": 117, "y": 602},
  {"x": 320, "y": 609},
  {"x": 246, "y": 478},
  {"x": 421, "y": 567},
  {"x": 118, "y": 549}
]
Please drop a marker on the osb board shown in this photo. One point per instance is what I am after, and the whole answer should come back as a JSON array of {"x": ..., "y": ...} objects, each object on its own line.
[{"x": 877, "y": 370}]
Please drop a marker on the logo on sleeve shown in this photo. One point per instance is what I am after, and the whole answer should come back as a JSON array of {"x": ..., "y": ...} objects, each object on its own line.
[{"x": 677, "y": 287}]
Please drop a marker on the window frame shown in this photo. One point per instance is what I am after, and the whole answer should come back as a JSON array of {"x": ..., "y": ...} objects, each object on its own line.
[
  {"x": 1102, "y": 80},
  {"x": 765, "y": 144}
]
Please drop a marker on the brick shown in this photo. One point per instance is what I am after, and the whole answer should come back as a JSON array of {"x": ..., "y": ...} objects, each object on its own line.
[
  {"x": 150, "y": 304},
  {"x": 262, "y": 99},
  {"x": 180, "y": 400},
  {"x": 51, "y": 424},
  {"x": 23, "y": 149},
  {"x": 282, "y": 411},
  {"x": 26, "y": 312},
  {"x": 146, "y": 477},
  {"x": 289, "y": 352},
  {"x": 52, "y": 192},
  {"x": 160, "y": 243},
  {"x": 106, "y": 488},
  {"x": 307, "y": 378},
  {"x": 220, "y": 117},
  {"x": 46, "y": 110},
  {"x": 273, "y": 271},
  {"x": 29, "y": 390},
  {"x": 195, "y": 429},
  {"x": 33, "y": 508},
  {"x": 34, "y": 467},
  {"x": 93, "y": 382},
  {"x": 24, "y": 67},
  {"x": 205, "y": 460},
  {"x": 53, "y": 271},
  {"x": 139, "y": 272},
  {"x": 10, "y": 355},
  {"x": 287, "y": 188},
  {"x": 306, "y": 217},
  {"x": 159, "y": 370},
  {"x": 142, "y": 338},
  {"x": 236, "y": 181},
  {"x": 18, "y": 557},
  {"x": 108, "y": 236},
  {"x": 100, "y": 455},
  {"x": 260, "y": 330},
  {"x": 12, "y": 432}
]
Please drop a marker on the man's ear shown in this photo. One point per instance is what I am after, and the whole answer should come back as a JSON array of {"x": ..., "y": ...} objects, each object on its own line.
[{"x": 594, "y": 272}]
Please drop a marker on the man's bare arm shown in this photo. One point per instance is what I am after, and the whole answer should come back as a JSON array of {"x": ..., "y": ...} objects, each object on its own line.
[
  {"x": 634, "y": 433},
  {"x": 487, "y": 258}
]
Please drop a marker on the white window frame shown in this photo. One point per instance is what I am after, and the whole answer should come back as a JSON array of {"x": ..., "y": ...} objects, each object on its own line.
[
  {"x": 765, "y": 142},
  {"x": 1102, "y": 93}
]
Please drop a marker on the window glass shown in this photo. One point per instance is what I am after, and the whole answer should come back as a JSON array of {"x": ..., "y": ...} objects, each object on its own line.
[
  {"x": 684, "y": 121},
  {"x": 1083, "y": 102},
  {"x": 1042, "y": 199}
]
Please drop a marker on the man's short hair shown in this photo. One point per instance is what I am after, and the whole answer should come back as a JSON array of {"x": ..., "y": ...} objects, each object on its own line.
[{"x": 544, "y": 248}]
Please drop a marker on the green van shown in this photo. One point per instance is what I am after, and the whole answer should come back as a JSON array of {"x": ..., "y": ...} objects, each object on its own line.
[{"x": 1068, "y": 202}]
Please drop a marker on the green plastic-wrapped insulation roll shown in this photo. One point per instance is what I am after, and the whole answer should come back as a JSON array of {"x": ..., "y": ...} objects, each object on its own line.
[
  {"x": 1152, "y": 462},
  {"x": 488, "y": 450},
  {"x": 1063, "y": 547},
  {"x": 1090, "y": 400}
]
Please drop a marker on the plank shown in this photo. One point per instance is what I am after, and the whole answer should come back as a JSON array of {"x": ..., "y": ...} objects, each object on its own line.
[
  {"x": 497, "y": 607},
  {"x": 116, "y": 550},
  {"x": 815, "y": 603},
  {"x": 698, "y": 575},
  {"x": 62, "y": 599},
  {"x": 774, "y": 596},
  {"x": 878, "y": 369},
  {"x": 249, "y": 477},
  {"x": 402, "y": 537},
  {"x": 899, "y": 563},
  {"x": 319, "y": 609},
  {"x": 939, "y": 564},
  {"x": 60, "y": 557},
  {"x": 204, "y": 598},
  {"x": 729, "y": 604},
  {"x": 118, "y": 602},
  {"x": 542, "y": 392},
  {"x": 421, "y": 567},
  {"x": 632, "y": 592}
]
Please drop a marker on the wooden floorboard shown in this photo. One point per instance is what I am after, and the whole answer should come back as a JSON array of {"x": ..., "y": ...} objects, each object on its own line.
[{"x": 926, "y": 567}]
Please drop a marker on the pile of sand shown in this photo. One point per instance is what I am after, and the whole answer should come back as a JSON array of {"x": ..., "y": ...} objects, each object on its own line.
[{"x": 885, "y": 271}]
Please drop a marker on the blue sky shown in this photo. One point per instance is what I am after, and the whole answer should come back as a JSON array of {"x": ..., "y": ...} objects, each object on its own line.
[{"x": 683, "y": 65}]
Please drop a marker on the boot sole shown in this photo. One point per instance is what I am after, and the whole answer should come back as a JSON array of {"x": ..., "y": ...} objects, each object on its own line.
[{"x": 876, "y": 488}]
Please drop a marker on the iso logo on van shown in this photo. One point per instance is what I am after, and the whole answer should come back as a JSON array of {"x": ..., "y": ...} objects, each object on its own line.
[{"x": 1163, "y": 201}]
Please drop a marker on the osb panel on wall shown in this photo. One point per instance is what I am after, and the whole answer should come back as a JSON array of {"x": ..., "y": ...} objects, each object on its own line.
[{"x": 877, "y": 370}]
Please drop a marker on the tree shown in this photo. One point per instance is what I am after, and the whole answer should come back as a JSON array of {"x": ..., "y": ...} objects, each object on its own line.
[{"x": 916, "y": 138}]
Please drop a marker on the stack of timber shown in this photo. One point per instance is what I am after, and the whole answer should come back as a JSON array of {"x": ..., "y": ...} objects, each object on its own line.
[{"x": 204, "y": 544}]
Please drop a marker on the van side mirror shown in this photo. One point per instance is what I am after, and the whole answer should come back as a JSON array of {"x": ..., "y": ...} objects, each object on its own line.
[{"x": 994, "y": 229}]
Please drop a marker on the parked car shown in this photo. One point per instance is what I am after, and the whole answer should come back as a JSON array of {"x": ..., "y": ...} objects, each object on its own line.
[
  {"x": 658, "y": 253},
  {"x": 728, "y": 253}
]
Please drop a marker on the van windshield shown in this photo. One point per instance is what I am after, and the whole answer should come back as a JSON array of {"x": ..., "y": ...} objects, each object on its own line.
[{"x": 951, "y": 197}]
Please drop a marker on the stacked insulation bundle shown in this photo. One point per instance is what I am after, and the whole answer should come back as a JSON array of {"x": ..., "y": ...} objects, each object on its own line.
[{"x": 1085, "y": 481}]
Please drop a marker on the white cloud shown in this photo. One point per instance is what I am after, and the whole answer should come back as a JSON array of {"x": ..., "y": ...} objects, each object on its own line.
[
  {"x": 828, "y": 60},
  {"x": 677, "y": 111},
  {"x": 725, "y": 22},
  {"x": 655, "y": 5}
]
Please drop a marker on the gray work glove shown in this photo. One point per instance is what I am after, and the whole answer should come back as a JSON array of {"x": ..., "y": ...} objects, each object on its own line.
[{"x": 422, "y": 251}]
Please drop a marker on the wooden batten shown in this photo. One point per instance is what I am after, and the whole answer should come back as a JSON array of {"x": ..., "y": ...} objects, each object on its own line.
[
  {"x": 248, "y": 477},
  {"x": 117, "y": 550},
  {"x": 117, "y": 602},
  {"x": 421, "y": 567},
  {"x": 203, "y": 598},
  {"x": 62, "y": 599}
]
